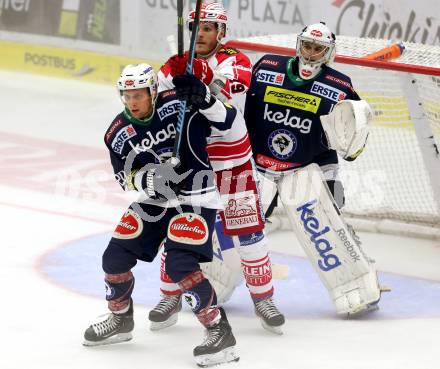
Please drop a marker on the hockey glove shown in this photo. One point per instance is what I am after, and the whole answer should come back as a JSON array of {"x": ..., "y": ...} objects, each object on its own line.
[
  {"x": 177, "y": 64},
  {"x": 193, "y": 91},
  {"x": 203, "y": 71},
  {"x": 200, "y": 69},
  {"x": 158, "y": 181}
]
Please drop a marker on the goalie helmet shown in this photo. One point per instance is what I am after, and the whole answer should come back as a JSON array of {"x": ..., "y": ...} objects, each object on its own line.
[
  {"x": 213, "y": 12},
  {"x": 313, "y": 37},
  {"x": 136, "y": 76}
]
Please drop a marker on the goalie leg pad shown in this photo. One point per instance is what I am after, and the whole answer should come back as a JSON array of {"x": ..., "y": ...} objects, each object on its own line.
[{"x": 343, "y": 267}]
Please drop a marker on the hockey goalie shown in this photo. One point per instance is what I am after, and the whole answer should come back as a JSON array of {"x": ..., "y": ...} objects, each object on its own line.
[{"x": 300, "y": 123}]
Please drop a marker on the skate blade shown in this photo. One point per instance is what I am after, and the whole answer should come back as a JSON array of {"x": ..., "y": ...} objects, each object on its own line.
[
  {"x": 271, "y": 329},
  {"x": 121, "y": 337},
  {"x": 225, "y": 356},
  {"x": 157, "y": 326}
]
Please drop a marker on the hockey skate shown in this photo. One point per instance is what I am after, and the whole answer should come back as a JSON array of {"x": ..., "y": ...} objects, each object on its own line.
[
  {"x": 116, "y": 328},
  {"x": 218, "y": 346},
  {"x": 271, "y": 319},
  {"x": 165, "y": 312}
]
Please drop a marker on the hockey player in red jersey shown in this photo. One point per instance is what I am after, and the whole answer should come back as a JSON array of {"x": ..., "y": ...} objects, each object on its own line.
[
  {"x": 225, "y": 70},
  {"x": 227, "y": 73}
]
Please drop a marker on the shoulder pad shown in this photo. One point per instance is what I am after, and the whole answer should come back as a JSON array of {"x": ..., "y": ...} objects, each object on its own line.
[{"x": 228, "y": 50}]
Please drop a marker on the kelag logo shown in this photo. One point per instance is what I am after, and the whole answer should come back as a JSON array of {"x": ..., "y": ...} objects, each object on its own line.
[{"x": 312, "y": 226}]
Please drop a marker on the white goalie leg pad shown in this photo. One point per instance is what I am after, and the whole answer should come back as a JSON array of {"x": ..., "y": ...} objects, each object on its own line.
[
  {"x": 348, "y": 274},
  {"x": 224, "y": 271}
]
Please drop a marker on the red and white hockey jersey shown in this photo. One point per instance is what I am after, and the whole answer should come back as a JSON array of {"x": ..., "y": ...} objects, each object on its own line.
[{"x": 229, "y": 147}]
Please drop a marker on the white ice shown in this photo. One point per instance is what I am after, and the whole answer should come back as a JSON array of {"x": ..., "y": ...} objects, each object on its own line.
[{"x": 52, "y": 155}]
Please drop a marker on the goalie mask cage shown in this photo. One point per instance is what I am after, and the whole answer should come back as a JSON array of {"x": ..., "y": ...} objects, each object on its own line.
[{"x": 394, "y": 186}]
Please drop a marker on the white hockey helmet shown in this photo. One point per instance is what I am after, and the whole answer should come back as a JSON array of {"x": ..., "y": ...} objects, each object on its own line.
[
  {"x": 315, "y": 34},
  {"x": 137, "y": 76},
  {"x": 213, "y": 12}
]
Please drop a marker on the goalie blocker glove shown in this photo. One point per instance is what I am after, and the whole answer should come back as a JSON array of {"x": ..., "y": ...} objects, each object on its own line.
[
  {"x": 193, "y": 91},
  {"x": 158, "y": 181}
]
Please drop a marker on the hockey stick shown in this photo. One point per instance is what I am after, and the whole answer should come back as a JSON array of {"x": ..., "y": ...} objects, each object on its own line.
[
  {"x": 174, "y": 160},
  {"x": 180, "y": 27}
]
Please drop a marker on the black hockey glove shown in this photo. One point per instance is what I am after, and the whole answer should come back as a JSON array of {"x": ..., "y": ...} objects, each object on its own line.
[
  {"x": 193, "y": 91},
  {"x": 158, "y": 181}
]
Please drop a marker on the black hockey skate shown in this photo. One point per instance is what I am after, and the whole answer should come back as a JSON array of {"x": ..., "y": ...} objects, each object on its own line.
[
  {"x": 116, "y": 328},
  {"x": 165, "y": 312},
  {"x": 218, "y": 346},
  {"x": 270, "y": 317}
]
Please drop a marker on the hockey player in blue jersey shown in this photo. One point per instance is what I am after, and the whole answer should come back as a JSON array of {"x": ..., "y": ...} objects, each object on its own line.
[
  {"x": 177, "y": 206},
  {"x": 301, "y": 114}
]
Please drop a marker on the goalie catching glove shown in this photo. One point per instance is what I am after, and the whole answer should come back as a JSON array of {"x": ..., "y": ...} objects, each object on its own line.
[
  {"x": 346, "y": 127},
  {"x": 158, "y": 181}
]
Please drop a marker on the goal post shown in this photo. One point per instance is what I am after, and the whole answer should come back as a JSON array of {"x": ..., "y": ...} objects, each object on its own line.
[{"x": 394, "y": 186}]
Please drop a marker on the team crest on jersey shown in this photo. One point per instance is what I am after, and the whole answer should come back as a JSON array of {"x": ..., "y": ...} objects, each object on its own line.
[
  {"x": 122, "y": 137},
  {"x": 270, "y": 77},
  {"x": 327, "y": 91},
  {"x": 241, "y": 210},
  {"x": 293, "y": 99},
  {"x": 228, "y": 50},
  {"x": 168, "y": 109},
  {"x": 130, "y": 226},
  {"x": 282, "y": 143},
  {"x": 193, "y": 300},
  {"x": 189, "y": 228}
]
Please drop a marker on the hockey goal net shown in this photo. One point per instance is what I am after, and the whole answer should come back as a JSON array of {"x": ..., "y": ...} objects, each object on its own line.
[{"x": 394, "y": 186}]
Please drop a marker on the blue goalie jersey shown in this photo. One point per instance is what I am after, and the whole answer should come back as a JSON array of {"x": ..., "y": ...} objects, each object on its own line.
[{"x": 282, "y": 113}]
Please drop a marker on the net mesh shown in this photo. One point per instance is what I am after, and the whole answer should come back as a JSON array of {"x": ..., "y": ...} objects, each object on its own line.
[{"x": 389, "y": 180}]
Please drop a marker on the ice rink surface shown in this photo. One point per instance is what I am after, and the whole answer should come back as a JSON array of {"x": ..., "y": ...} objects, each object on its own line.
[{"x": 59, "y": 204}]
